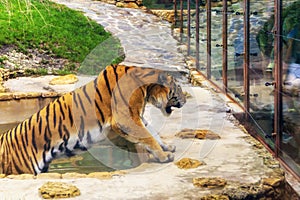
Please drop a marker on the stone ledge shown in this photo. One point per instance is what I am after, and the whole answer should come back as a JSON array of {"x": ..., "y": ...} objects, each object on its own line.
[{"x": 27, "y": 95}]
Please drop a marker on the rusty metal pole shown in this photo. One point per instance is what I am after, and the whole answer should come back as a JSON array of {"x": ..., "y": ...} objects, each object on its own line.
[
  {"x": 197, "y": 35},
  {"x": 246, "y": 58},
  {"x": 189, "y": 27},
  {"x": 181, "y": 20},
  {"x": 208, "y": 43},
  {"x": 224, "y": 38},
  {"x": 278, "y": 115},
  {"x": 175, "y": 13}
]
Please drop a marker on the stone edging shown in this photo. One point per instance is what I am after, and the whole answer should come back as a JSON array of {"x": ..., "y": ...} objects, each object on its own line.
[{"x": 71, "y": 175}]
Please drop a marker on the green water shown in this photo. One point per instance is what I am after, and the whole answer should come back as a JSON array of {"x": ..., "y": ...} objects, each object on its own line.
[{"x": 97, "y": 159}]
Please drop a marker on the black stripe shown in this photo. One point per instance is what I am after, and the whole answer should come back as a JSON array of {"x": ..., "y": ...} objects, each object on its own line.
[
  {"x": 35, "y": 160},
  {"x": 25, "y": 160},
  {"x": 74, "y": 99},
  {"x": 37, "y": 116},
  {"x": 40, "y": 125},
  {"x": 126, "y": 69},
  {"x": 47, "y": 140},
  {"x": 149, "y": 74},
  {"x": 107, "y": 81},
  {"x": 32, "y": 166},
  {"x": 86, "y": 94},
  {"x": 89, "y": 138},
  {"x": 48, "y": 123},
  {"x": 54, "y": 115},
  {"x": 70, "y": 116},
  {"x": 61, "y": 147},
  {"x": 116, "y": 74},
  {"x": 19, "y": 171},
  {"x": 100, "y": 126},
  {"x": 25, "y": 132},
  {"x": 81, "y": 130},
  {"x": 16, "y": 139},
  {"x": 66, "y": 135},
  {"x": 60, "y": 128},
  {"x": 97, "y": 90},
  {"x": 29, "y": 123},
  {"x": 33, "y": 139},
  {"x": 61, "y": 109},
  {"x": 81, "y": 104},
  {"x": 53, "y": 154},
  {"x": 100, "y": 111}
]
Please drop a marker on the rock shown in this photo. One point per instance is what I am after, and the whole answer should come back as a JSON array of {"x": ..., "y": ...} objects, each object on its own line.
[
  {"x": 73, "y": 175},
  {"x": 2, "y": 175},
  {"x": 199, "y": 134},
  {"x": 48, "y": 176},
  {"x": 52, "y": 190},
  {"x": 127, "y": 5},
  {"x": 164, "y": 14},
  {"x": 6, "y": 96},
  {"x": 209, "y": 182},
  {"x": 274, "y": 182},
  {"x": 215, "y": 197},
  {"x": 100, "y": 175},
  {"x": 188, "y": 163},
  {"x": 63, "y": 80},
  {"x": 20, "y": 176}
]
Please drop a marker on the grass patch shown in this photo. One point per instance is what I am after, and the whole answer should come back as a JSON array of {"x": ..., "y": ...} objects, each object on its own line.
[{"x": 41, "y": 24}]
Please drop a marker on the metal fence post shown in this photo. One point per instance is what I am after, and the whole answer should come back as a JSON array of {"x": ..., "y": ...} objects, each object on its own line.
[
  {"x": 224, "y": 39},
  {"x": 197, "y": 35},
  {"x": 208, "y": 41}
]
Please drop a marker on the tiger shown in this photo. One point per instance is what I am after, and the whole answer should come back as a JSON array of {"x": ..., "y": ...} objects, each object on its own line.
[{"x": 113, "y": 103}]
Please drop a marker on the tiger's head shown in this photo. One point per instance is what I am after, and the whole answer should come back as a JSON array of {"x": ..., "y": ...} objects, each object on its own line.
[{"x": 166, "y": 94}]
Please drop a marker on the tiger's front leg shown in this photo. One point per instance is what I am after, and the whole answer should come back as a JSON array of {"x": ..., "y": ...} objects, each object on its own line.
[
  {"x": 140, "y": 135},
  {"x": 156, "y": 136}
]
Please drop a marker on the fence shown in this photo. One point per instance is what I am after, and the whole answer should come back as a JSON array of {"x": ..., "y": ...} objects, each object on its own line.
[{"x": 251, "y": 51}]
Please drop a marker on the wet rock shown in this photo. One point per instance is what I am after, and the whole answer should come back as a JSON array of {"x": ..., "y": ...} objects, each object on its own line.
[
  {"x": 54, "y": 190},
  {"x": 210, "y": 183},
  {"x": 215, "y": 197},
  {"x": 63, "y": 80},
  {"x": 188, "y": 163},
  {"x": 197, "y": 133},
  {"x": 273, "y": 182},
  {"x": 243, "y": 191}
]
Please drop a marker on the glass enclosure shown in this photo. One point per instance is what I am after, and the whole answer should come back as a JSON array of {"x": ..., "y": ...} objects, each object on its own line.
[{"x": 251, "y": 50}]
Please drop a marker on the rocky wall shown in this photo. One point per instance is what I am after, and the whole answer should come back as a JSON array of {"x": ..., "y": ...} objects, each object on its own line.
[{"x": 126, "y": 3}]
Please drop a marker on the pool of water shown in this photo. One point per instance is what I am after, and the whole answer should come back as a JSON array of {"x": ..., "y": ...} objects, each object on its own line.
[{"x": 97, "y": 159}]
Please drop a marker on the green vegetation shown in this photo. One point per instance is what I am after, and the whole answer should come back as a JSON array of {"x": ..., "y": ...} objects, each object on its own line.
[
  {"x": 290, "y": 28},
  {"x": 56, "y": 29}
]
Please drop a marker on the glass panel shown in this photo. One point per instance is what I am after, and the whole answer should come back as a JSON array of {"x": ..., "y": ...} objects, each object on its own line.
[
  {"x": 261, "y": 69},
  {"x": 236, "y": 50},
  {"x": 290, "y": 144},
  {"x": 203, "y": 40},
  {"x": 216, "y": 45}
]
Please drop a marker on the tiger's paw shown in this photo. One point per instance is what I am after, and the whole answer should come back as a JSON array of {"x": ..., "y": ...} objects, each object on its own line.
[
  {"x": 169, "y": 147},
  {"x": 164, "y": 157}
]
